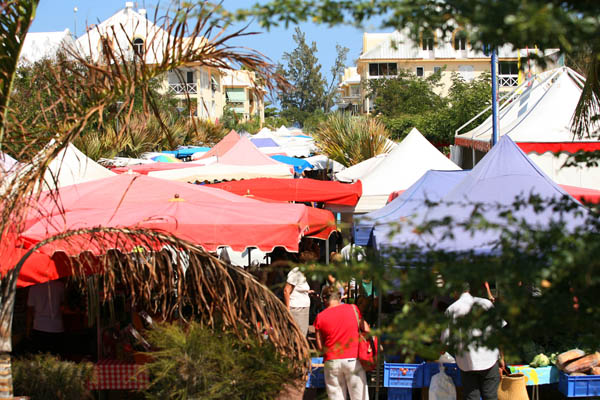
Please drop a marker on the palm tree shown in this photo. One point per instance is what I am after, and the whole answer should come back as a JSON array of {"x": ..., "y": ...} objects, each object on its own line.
[
  {"x": 166, "y": 281},
  {"x": 351, "y": 139}
]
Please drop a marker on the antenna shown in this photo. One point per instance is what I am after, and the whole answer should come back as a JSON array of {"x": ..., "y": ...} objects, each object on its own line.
[{"x": 75, "y": 9}]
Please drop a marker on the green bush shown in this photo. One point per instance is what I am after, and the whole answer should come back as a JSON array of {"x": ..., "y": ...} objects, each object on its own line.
[
  {"x": 197, "y": 362},
  {"x": 349, "y": 140},
  {"x": 45, "y": 377}
]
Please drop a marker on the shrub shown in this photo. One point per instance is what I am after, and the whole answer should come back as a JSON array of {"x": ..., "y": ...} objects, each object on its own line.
[
  {"x": 350, "y": 140},
  {"x": 198, "y": 362},
  {"x": 45, "y": 377}
]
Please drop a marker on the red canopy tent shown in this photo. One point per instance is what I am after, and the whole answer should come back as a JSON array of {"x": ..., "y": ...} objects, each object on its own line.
[
  {"x": 206, "y": 216},
  {"x": 223, "y": 146},
  {"x": 584, "y": 195},
  {"x": 300, "y": 190}
]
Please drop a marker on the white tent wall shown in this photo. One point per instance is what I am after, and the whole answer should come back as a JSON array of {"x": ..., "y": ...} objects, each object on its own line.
[{"x": 573, "y": 176}]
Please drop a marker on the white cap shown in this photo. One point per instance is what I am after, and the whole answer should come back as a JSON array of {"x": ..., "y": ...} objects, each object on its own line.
[{"x": 129, "y": 4}]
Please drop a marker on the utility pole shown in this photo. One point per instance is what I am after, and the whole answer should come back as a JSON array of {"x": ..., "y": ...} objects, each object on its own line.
[
  {"x": 494, "y": 96},
  {"x": 75, "y": 9}
]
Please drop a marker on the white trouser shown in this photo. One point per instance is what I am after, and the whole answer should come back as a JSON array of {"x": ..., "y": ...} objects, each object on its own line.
[{"x": 343, "y": 376}]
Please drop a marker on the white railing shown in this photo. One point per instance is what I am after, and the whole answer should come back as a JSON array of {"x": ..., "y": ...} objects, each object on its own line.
[
  {"x": 180, "y": 88},
  {"x": 508, "y": 80},
  {"x": 351, "y": 96}
]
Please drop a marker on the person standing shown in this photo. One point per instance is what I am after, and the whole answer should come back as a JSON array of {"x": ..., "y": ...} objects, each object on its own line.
[
  {"x": 479, "y": 366},
  {"x": 296, "y": 297},
  {"x": 44, "y": 315},
  {"x": 337, "y": 329}
]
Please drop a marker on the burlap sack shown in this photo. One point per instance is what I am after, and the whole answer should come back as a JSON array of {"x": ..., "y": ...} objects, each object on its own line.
[{"x": 512, "y": 387}]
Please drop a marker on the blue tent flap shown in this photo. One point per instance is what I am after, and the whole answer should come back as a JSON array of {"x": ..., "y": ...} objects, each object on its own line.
[{"x": 298, "y": 163}]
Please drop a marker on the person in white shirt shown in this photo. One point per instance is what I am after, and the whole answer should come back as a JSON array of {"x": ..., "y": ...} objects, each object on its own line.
[
  {"x": 297, "y": 299},
  {"x": 479, "y": 366},
  {"x": 44, "y": 315}
]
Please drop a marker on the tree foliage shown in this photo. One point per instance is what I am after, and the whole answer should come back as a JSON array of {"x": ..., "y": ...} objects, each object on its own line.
[
  {"x": 350, "y": 140},
  {"x": 196, "y": 362},
  {"x": 407, "y": 101},
  {"x": 310, "y": 93}
]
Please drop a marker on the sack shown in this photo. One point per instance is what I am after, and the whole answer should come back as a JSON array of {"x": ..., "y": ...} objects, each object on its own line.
[
  {"x": 441, "y": 387},
  {"x": 367, "y": 347},
  {"x": 512, "y": 387}
]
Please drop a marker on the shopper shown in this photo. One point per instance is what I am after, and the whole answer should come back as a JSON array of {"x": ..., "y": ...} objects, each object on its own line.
[
  {"x": 44, "y": 316},
  {"x": 337, "y": 330},
  {"x": 296, "y": 297},
  {"x": 479, "y": 366}
]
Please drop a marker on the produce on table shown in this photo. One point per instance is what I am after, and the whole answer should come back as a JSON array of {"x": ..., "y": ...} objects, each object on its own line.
[
  {"x": 583, "y": 364},
  {"x": 564, "y": 358},
  {"x": 541, "y": 360},
  {"x": 595, "y": 371}
]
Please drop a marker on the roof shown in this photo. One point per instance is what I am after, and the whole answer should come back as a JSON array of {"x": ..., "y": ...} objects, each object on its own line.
[
  {"x": 540, "y": 113},
  {"x": 399, "y": 46},
  {"x": 123, "y": 26},
  {"x": 41, "y": 45}
]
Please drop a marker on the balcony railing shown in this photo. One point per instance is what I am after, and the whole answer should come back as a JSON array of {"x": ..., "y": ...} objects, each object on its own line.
[
  {"x": 181, "y": 88},
  {"x": 508, "y": 80}
]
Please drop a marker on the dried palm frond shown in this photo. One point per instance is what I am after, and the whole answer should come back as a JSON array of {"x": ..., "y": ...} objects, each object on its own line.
[
  {"x": 167, "y": 276},
  {"x": 83, "y": 89},
  {"x": 586, "y": 120}
]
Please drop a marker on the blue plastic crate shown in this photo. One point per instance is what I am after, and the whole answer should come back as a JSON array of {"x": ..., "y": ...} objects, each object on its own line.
[
  {"x": 399, "y": 394},
  {"x": 433, "y": 368},
  {"x": 394, "y": 377},
  {"x": 579, "y": 386},
  {"x": 316, "y": 377}
]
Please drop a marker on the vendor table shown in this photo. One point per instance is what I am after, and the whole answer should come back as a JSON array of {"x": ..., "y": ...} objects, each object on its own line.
[{"x": 118, "y": 375}]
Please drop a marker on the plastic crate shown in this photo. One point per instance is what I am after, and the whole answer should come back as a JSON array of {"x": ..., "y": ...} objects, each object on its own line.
[
  {"x": 399, "y": 394},
  {"x": 579, "y": 386},
  {"x": 403, "y": 375},
  {"x": 316, "y": 377},
  {"x": 433, "y": 368}
]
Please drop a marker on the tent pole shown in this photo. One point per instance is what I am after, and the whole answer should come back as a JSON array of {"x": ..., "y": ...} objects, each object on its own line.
[{"x": 327, "y": 251}]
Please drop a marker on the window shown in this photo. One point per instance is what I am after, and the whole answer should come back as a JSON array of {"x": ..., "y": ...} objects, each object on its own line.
[
  {"x": 460, "y": 40},
  {"x": 138, "y": 46},
  {"x": 190, "y": 76},
  {"x": 420, "y": 71},
  {"x": 428, "y": 41},
  {"x": 354, "y": 91},
  {"x": 437, "y": 70},
  {"x": 204, "y": 79},
  {"x": 383, "y": 69},
  {"x": 508, "y": 68}
]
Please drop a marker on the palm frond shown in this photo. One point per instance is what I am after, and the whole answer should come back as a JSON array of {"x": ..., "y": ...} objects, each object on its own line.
[{"x": 586, "y": 120}]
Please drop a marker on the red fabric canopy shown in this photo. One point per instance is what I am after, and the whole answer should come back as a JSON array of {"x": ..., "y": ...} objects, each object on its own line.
[
  {"x": 223, "y": 146},
  {"x": 202, "y": 215},
  {"x": 584, "y": 195},
  {"x": 300, "y": 190},
  {"x": 567, "y": 147}
]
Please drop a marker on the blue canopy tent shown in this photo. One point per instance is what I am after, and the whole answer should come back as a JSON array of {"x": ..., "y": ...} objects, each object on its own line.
[
  {"x": 495, "y": 183},
  {"x": 432, "y": 186},
  {"x": 298, "y": 163},
  {"x": 184, "y": 152},
  {"x": 264, "y": 142}
]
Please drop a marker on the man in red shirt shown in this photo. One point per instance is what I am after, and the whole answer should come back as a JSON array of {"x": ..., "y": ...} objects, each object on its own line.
[{"x": 337, "y": 337}]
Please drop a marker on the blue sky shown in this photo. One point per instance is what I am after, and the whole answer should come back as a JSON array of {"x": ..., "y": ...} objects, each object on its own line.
[{"x": 56, "y": 15}]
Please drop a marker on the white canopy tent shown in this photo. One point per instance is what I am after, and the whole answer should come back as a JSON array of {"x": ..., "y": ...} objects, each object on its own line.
[
  {"x": 538, "y": 116},
  {"x": 399, "y": 170}
]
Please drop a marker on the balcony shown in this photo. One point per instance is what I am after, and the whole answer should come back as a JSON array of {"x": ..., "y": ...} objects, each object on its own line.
[
  {"x": 183, "y": 88},
  {"x": 508, "y": 80}
]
